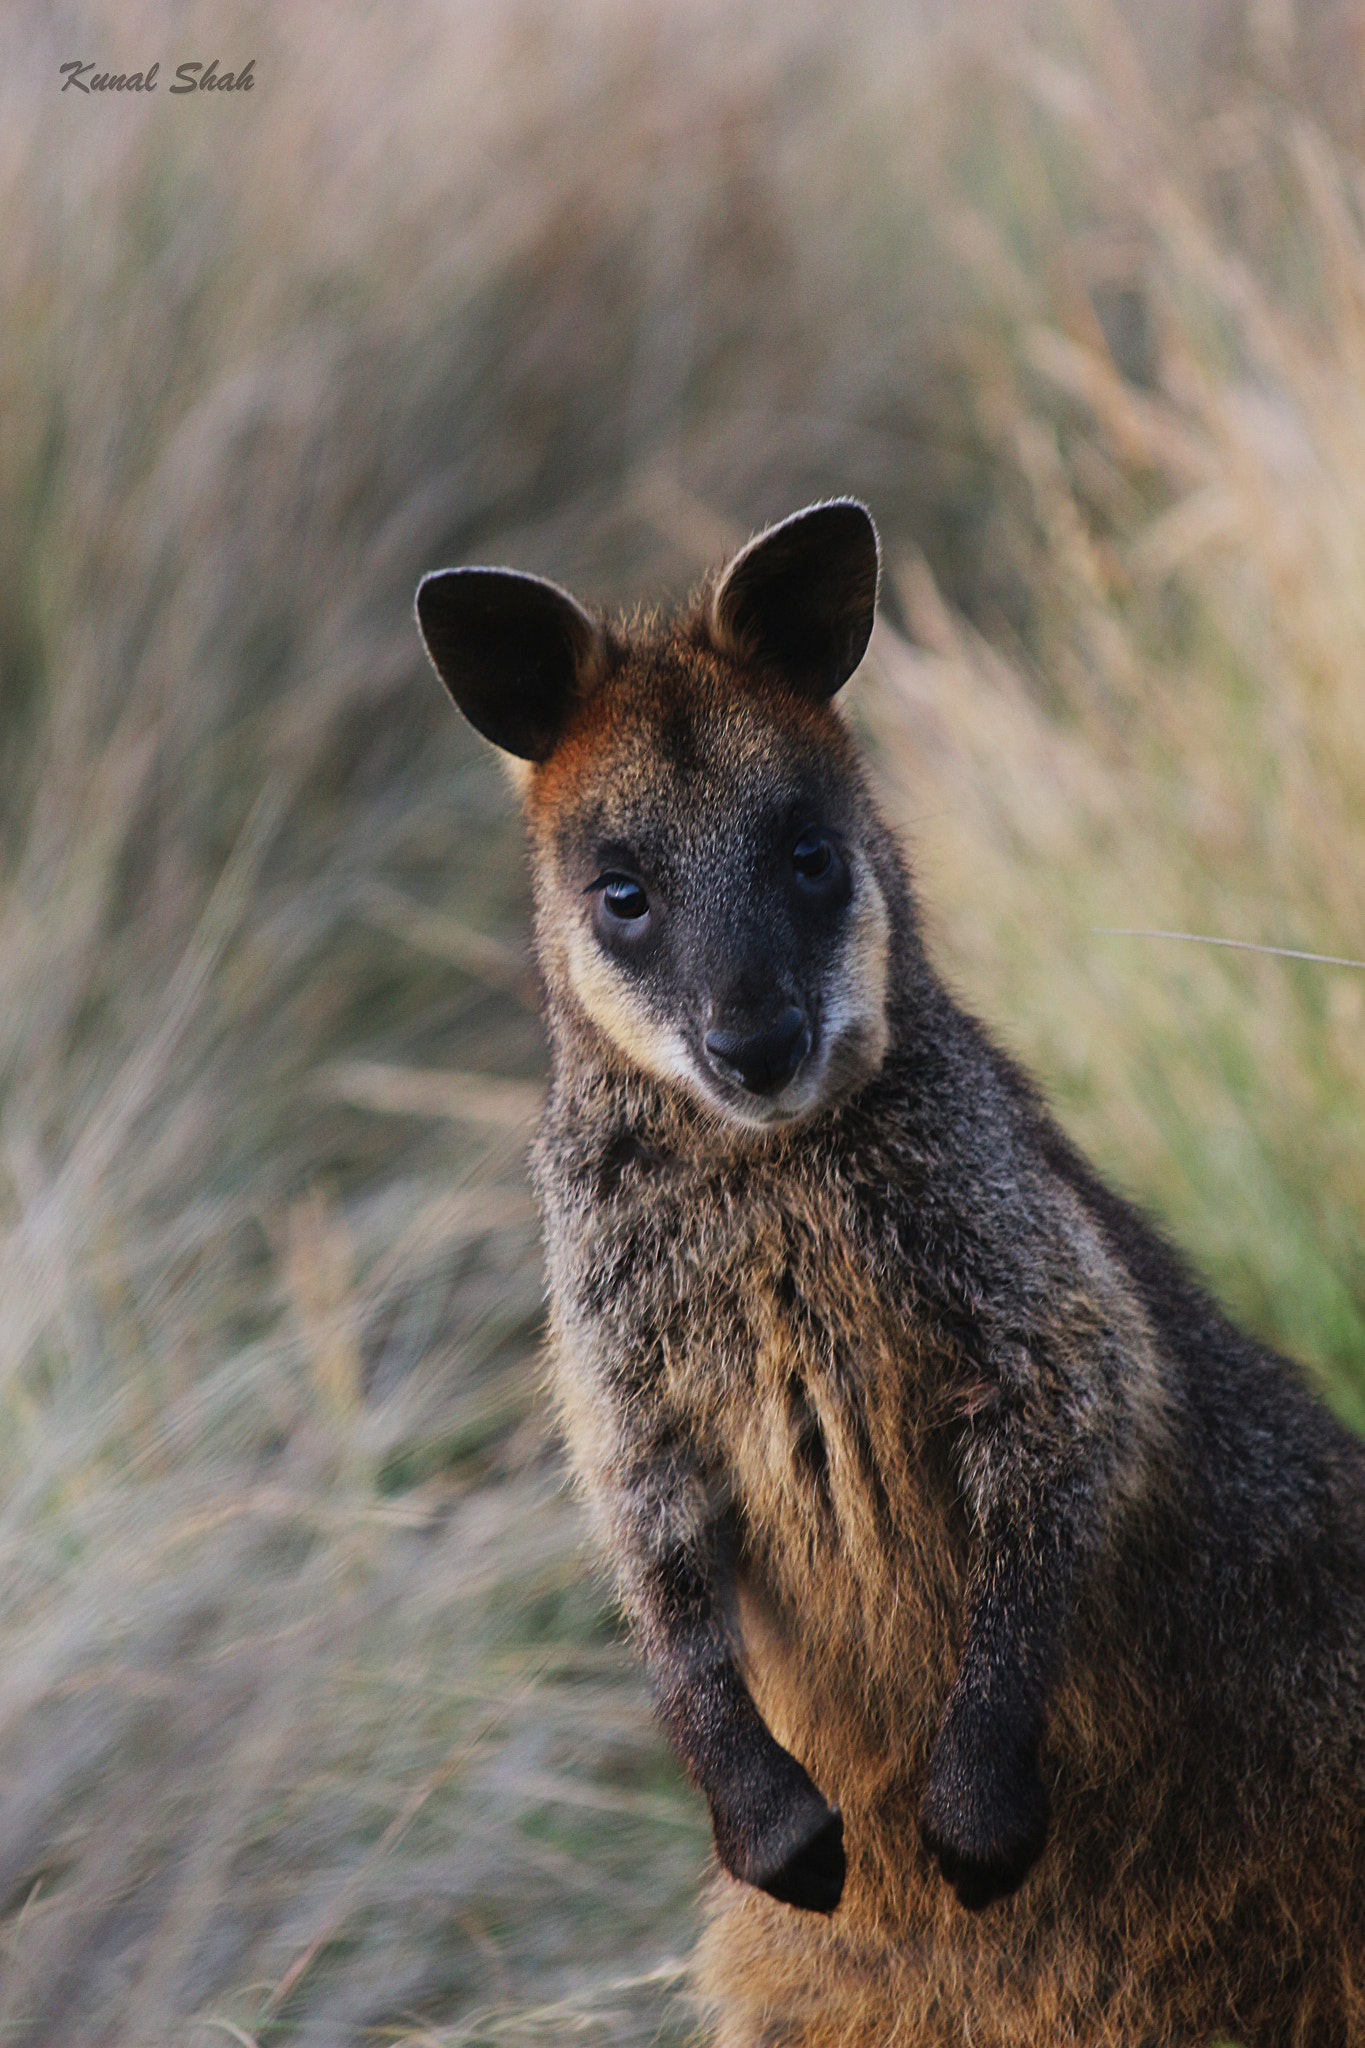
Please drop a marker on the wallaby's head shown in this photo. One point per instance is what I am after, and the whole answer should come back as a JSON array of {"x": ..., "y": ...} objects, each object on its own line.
[{"x": 710, "y": 875}]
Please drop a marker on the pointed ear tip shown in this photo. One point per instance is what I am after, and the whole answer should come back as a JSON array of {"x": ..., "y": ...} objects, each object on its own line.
[
  {"x": 863, "y": 518},
  {"x": 848, "y": 503},
  {"x": 850, "y": 518},
  {"x": 422, "y": 594},
  {"x": 427, "y": 595},
  {"x": 480, "y": 583},
  {"x": 845, "y": 503},
  {"x": 822, "y": 507}
]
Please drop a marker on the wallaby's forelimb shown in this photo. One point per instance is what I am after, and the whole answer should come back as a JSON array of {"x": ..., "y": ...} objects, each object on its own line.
[{"x": 773, "y": 1828}]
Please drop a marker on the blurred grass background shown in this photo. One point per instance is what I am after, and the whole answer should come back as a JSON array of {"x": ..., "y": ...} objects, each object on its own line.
[{"x": 315, "y": 1724}]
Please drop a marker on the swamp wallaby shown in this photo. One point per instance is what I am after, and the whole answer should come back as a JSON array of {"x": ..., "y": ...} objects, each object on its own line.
[{"x": 1006, "y": 1603}]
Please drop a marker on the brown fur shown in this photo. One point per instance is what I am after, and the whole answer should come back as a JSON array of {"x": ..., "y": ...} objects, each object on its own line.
[{"x": 905, "y": 1433}]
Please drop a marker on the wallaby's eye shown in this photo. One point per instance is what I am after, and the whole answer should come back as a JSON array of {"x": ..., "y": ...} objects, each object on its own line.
[
  {"x": 626, "y": 900},
  {"x": 623, "y": 901},
  {"x": 812, "y": 856}
]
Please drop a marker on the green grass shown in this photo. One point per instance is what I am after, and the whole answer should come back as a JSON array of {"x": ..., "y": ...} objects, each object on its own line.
[{"x": 316, "y": 1724}]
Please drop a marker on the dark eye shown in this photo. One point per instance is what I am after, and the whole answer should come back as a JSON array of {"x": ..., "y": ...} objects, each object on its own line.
[
  {"x": 811, "y": 856},
  {"x": 624, "y": 899}
]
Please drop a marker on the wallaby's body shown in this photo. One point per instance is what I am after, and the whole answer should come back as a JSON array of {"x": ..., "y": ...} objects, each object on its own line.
[{"x": 930, "y": 1479}]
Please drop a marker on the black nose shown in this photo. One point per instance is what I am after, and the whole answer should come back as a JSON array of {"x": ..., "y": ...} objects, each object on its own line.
[{"x": 764, "y": 1060}]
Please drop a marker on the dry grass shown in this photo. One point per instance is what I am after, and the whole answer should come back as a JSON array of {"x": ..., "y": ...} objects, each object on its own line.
[{"x": 313, "y": 1724}]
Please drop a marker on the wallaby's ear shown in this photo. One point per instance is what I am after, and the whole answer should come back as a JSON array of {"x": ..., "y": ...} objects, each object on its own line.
[
  {"x": 515, "y": 652},
  {"x": 803, "y": 596}
]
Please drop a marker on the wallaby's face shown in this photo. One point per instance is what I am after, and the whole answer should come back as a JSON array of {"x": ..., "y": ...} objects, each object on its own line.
[
  {"x": 704, "y": 893},
  {"x": 705, "y": 887}
]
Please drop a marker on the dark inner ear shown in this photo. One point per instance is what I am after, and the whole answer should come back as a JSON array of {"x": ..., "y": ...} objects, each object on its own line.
[
  {"x": 515, "y": 652},
  {"x": 803, "y": 595}
]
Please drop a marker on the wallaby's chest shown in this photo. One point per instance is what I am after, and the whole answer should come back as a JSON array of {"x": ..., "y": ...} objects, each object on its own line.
[{"x": 756, "y": 1317}]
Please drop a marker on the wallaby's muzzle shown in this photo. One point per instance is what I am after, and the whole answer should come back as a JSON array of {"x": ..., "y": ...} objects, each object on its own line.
[{"x": 761, "y": 1061}]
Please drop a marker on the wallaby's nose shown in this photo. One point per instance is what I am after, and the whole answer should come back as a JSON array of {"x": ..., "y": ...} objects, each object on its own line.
[{"x": 765, "y": 1059}]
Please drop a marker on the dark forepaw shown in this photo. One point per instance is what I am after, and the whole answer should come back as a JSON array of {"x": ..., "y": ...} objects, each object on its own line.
[
  {"x": 781, "y": 1835},
  {"x": 811, "y": 1874},
  {"x": 984, "y": 1816}
]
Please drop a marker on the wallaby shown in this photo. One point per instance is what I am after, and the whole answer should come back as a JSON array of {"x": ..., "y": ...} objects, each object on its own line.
[{"x": 965, "y": 1539}]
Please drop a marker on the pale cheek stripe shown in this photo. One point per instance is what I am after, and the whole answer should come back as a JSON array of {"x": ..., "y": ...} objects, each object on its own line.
[{"x": 607, "y": 998}]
